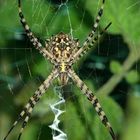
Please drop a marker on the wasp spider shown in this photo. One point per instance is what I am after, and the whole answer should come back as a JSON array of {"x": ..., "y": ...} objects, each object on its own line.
[{"x": 63, "y": 51}]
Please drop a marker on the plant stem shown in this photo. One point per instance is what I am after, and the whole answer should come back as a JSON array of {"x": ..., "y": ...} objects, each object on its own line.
[{"x": 109, "y": 86}]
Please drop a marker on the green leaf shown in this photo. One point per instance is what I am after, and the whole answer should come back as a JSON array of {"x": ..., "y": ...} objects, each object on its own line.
[
  {"x": 131, "y": 125},
  {"x": 115, "y": 67},
  {"x": 132, "y": 77}
]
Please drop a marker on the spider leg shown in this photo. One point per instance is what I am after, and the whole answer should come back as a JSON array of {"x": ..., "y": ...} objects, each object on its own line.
[
  {"x": 32, "y": 102},
  {"x": 83, "y": 50},
  {"x": 28, "y": 114},
  {"x": 93, "y": 99},
  {"x": 31, "y": 36},
  {"x": 91, "y": 37},
  {"x": 95, "y": 26}
]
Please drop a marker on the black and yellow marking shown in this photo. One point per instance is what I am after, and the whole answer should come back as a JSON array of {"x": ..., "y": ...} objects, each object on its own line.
[
  {"x": 95, "y": 26},
  {"x": 31, "y": 36},
  {"x": 91, "y": 39},
  {"x": 93, "y": 99},
  {"x": 31, "y": 103},
  {"x": 62, "y": 50}
]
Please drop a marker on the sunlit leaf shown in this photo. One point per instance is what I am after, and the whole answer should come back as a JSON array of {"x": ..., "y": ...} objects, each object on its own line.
[
  {"x": 115, "y": 67},
  {"x": 132, "y": 77}
]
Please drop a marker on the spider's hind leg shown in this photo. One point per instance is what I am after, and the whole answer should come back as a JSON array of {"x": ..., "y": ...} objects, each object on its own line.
[
  {"x": 21, "y": 116},
  {"x": 93, "y": 99},
  {"x": 28, "y": 114},
  {"x": 32, "y": 102}
]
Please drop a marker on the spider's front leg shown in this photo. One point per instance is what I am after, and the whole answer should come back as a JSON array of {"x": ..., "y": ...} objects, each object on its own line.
[
  {"x": 32, "y": 37},
  {"x": 95, "y": 26},
  {"x": 83, "y": 50},
  {"x": 93, "y": 99},
  {"x": 92, "y": 38},
  {"x": 26, "y": 113}
]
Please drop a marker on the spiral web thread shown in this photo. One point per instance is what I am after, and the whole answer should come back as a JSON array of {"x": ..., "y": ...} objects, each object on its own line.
[{"x": 56, "y": 132}]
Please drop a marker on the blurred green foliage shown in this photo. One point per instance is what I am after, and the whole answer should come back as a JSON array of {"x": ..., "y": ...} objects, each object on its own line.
[
  {"x": 111, "y": 69},
  {"x": 115, "y": 67}
]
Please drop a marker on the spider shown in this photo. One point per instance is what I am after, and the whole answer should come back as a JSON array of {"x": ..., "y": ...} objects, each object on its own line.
[{"x": 63, "y": 51}]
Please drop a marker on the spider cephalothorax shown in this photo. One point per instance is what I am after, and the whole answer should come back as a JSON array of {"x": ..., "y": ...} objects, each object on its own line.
[
  {"x": 62, "y": 46},
  {"x": 63, "y": 51}
]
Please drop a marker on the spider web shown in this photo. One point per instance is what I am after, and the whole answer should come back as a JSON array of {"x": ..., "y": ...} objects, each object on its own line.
[{"x": 23, "y": 69}]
